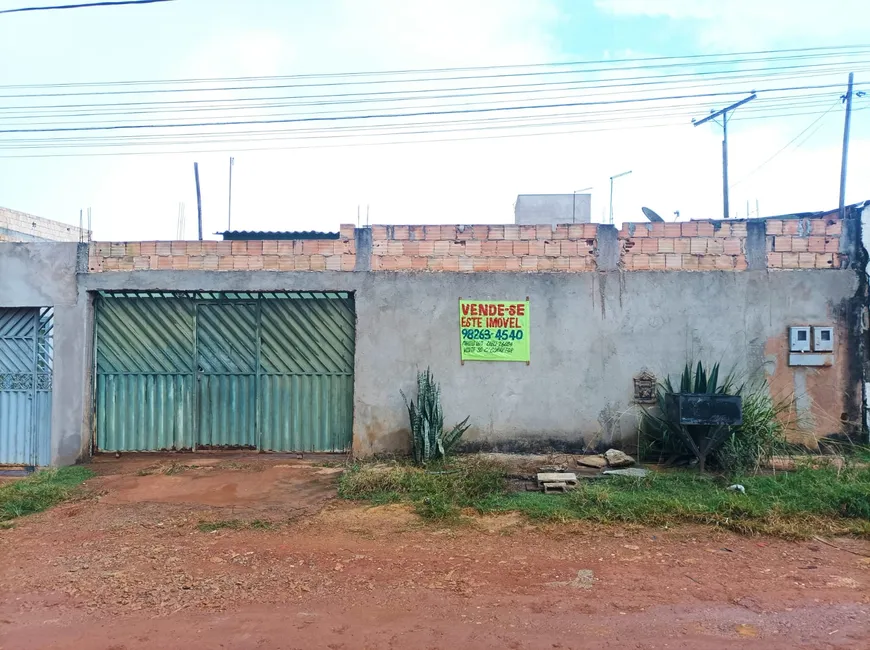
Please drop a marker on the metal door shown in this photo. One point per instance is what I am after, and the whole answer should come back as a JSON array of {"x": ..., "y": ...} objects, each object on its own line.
[
  {"x": 226, "y": 352},
  {"x": 25, "y": 386},
  {"x": 145, "y": 375},
  {"x": 306, "y": 372}
]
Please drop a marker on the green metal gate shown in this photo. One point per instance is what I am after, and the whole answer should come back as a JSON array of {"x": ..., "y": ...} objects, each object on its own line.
[
  {"x": 226, "y": 355},
  {"x": 272, "y": 371}
]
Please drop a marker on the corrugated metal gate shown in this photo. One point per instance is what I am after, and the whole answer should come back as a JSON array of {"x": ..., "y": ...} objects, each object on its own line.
[
  {"x": 25, "y": 386},
  {"x": 272, "y": 371}
]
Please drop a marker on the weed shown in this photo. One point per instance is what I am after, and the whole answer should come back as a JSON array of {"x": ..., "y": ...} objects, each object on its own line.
[
  {"x": 761, "y": 436},
  {"x": 41, "y": 491},
  {"x": 794, "y": 505},
  {"x": 175, "y": 468},
  {"x": 438, "y": 506},
  {"x": 211, "y": 526},
  {"x": 241, "y": 466},
  {"x": 234, "y": 524},
  {"x": 438, "y": 493}
]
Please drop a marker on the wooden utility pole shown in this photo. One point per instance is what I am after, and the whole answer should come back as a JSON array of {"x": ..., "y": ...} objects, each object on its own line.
[
  {"x": 724, "y": 113},
  {"x": 846, "y": 146},
  {"x": 198, "y": 200}
]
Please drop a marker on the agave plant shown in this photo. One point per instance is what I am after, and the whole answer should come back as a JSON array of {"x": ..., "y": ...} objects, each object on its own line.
[
  {"x": 428, "y": 439},
  {"x": 673, "y": 439}
]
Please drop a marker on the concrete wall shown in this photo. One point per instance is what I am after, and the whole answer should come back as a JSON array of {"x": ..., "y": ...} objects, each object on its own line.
[
  {"x": 44, "y": 275},
  {"x": 591, "y": 333},
  {"x": 553, "y": 209}
]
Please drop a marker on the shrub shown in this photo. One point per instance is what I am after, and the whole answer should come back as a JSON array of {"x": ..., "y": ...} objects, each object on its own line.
[
  {"x": 736, "y": 450},
  {"x": 761, "y": 436},
  {"x": 674, "y": 439},
  {"x": 428, "y": 439}
]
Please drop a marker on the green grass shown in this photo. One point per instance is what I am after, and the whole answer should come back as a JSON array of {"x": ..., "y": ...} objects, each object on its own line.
[
  {"x": 438, "y": 492},
  {"x": 41, "y": 491},
  {"x": 793, "y": 505}
]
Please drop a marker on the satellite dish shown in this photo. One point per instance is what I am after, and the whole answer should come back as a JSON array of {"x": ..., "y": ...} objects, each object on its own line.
[{"x": 652, "y": 216}]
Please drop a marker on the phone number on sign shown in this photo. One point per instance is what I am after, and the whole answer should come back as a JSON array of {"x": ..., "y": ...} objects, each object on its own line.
[{"x": 473, "y": 334}]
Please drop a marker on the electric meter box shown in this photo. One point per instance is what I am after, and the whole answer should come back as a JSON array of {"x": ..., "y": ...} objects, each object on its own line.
[
  {"x": 823, "y": 339},
  {"x": 799, "y": 339}
]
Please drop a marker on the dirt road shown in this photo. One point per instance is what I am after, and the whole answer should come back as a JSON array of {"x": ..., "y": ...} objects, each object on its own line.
[{"x": 288, "y": 566}]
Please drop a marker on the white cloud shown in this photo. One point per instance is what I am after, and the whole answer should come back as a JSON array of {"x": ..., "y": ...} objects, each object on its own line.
[{"x": 741, "y": 24}]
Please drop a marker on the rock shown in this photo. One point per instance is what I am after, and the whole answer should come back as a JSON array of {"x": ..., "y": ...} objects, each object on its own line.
[
  {"x": 584, "y": 580},
  {"x": 557, "y": 477},
  {"x": 597, "y": 461},
  {"x": 629, "y": 471},
  {"x": 616, "y": 458}
]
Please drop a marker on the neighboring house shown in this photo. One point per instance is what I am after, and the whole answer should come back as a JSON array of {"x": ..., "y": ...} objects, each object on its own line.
[
  {"x": 22, "y": 227},
  {"x": 554, "y": 209}
]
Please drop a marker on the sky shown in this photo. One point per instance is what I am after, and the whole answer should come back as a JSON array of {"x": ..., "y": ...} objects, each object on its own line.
[{"x": 782, "y": 165}]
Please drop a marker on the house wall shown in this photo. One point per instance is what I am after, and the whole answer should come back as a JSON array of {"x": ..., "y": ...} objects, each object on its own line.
[
  {"x": 597, "y": 319},
  {"x": 22, "y": 227},
  {"x": 535, "y": 209},
  {"x": 44, "y": 275}
]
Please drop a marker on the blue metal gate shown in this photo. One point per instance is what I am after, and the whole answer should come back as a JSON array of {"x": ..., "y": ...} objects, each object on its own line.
[{"x": 25, "y": 386}]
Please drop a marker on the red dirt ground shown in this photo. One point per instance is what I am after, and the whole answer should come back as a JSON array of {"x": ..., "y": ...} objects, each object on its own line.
[{"x": 130, "y": 569}]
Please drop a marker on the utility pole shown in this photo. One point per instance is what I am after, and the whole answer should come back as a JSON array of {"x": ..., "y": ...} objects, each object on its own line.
[
  {"x": 724, "y": 113},
  {"x": 198, "y": 200},
  {"x": 230, "y": 202},
  {"x": 611, "y": 192},
  {"x": 846, "y": 146}
]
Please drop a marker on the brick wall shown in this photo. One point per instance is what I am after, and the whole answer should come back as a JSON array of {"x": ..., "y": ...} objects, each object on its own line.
[
  {"x": 484, "y": 248},
  {"x": 804, "y": 243},
  {"x": 285, "y": 255},
  {"x": 20, "y": 226},
  {"x": 794, "y": 243},
  {"x": 691, "y": 246}
]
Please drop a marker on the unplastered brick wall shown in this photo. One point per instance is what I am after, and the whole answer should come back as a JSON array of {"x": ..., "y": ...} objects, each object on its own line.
[
  {"x": 484, "y": 248},
  {"x": 690, "y": 246},
  {"x": 253, "y": 255},
  {"x": 805, "y": 243},
  {"x": 818, "y": 242}
]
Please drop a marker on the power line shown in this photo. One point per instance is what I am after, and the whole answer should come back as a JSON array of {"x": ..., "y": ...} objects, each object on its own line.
[
  {"x": 83, "y": 5},
  {"x": 390, "y": 81},
  {"x": 341, "y": 145},
  {"x": 410, "y": 95},
  {"x": 610, "y": 115},
  {"x": 801, "y": 54},
  {"x": 175, "y": 113},
  {"x": 789, "y": 143},
  {"x": 397, "y": 114},
  {"x": 350, "y": 131}
]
